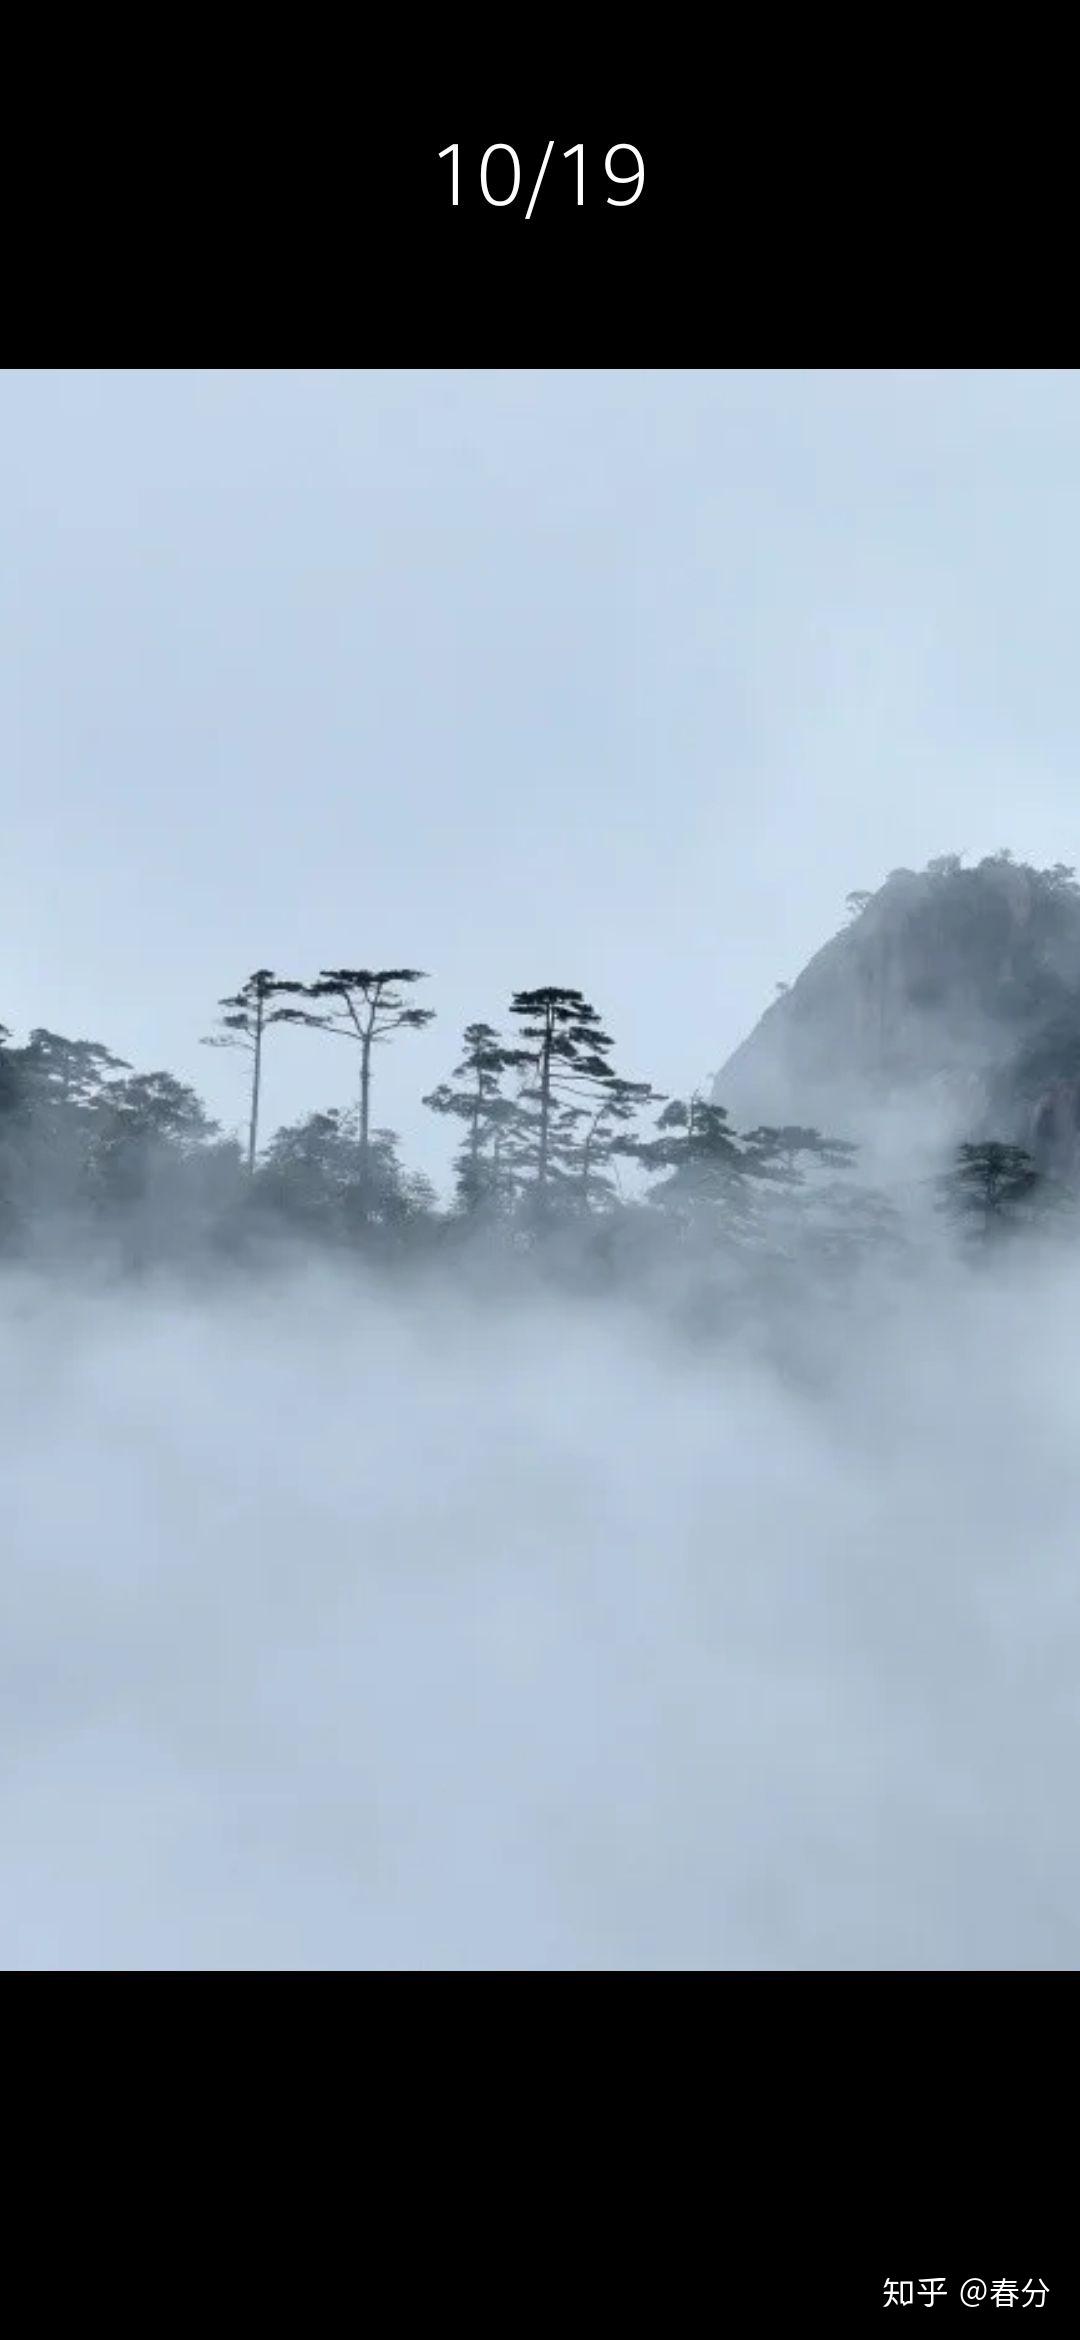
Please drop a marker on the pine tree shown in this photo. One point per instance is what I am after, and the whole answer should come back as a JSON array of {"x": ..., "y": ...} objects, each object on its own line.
[
  {"x": 58, "y": 1092},
  {"x": 368, "y": 1010},
  {"x": 244, "y": 1026},
  {"x": 601, "y": 1135},
  {"x": 798, "y": 1209},
  {"x": 780, "y": 1151},
  {"x": 705, "y": 1168},
  {"x": 485, "y": 1112},
  {"x": 63, "y": 1072},
  {"x": 144, "y": 1119},
  {"x": 992, "y": 1188},
  {"x": 570, "y": 1054},
  {"x": 572, "y": 1097}
]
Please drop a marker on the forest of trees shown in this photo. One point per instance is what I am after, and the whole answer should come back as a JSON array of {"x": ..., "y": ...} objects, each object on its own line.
[{"x": 558, "y": 1150}]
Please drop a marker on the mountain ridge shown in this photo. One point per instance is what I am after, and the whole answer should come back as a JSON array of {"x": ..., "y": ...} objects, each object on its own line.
[{"x": 948, "y": 1005}]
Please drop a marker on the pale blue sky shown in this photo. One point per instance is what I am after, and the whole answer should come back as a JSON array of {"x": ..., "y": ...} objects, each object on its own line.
[{"x": 616, "y": 679}]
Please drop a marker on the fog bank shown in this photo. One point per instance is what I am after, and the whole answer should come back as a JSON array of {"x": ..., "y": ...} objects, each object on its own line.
[{"x": 343, "y": 1628}]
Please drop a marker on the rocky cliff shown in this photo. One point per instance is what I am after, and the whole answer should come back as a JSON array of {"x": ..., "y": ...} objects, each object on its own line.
[{"x": 948, "y": 1005}]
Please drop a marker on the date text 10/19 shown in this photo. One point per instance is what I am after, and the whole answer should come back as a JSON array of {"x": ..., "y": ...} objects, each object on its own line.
[{"x": 500, "y": 174}]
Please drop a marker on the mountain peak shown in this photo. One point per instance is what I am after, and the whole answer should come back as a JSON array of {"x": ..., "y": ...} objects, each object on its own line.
[{"x": 949, "y": 994}]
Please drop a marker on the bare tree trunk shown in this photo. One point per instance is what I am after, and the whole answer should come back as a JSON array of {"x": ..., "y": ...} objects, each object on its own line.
[
  {"x": 256, "y": 1082},
  {"x": 365, "y": 1109},
  {"x": 545, "y": 1098},
  {"x": 474, "y": 1133}
]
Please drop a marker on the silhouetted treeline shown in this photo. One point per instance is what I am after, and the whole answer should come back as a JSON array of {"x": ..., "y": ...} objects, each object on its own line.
[{"x": 561, "y": 1154}]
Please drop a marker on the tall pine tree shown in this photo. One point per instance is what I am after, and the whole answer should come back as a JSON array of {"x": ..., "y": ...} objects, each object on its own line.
[
  {"x": 244, "y": 1025},
  {"x": 572, "y": 1095},
  {"x": 368, "y": 1008}
]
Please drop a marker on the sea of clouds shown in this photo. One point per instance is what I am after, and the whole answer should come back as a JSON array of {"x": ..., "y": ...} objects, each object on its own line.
[{"x": 347, "y": 1627}]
